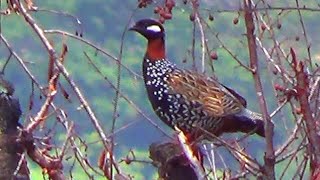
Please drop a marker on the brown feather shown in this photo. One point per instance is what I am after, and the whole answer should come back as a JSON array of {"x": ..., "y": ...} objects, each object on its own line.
[{"x": 215, "y": 98}]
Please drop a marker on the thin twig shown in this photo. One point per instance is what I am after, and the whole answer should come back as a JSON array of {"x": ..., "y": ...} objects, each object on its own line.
[
  {"x": 306, "y": 40},
  {"x": 94, "y": 46},
  {"x": 289, "y": 140},
  {"x": 203, "y": 45},
  {"x": 125, "y": 97},
  {"x": 117, "y": 96},
  {"x": 271, "y": 8}
]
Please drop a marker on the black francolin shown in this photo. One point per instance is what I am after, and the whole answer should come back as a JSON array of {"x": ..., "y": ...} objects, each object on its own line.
[{"x": 196, "y": 104}]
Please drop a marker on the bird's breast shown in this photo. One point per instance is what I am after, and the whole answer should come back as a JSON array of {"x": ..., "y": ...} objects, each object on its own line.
[{"x": 155, "y": 75}]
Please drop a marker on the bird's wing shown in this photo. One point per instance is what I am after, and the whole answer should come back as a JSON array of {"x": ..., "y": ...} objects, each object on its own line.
[
  {"x": 238, "y": 96},
  {"x": 216, "y": 99}
]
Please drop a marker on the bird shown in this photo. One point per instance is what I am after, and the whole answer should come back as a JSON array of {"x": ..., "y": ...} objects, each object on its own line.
[{"x": 198, "y": 105}]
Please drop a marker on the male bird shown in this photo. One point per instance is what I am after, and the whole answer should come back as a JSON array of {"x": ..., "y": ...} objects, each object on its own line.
[{"x": 196, "y": 104}]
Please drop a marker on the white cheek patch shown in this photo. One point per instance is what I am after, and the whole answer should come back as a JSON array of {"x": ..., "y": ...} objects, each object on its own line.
[{"x": 154, "y": 28}]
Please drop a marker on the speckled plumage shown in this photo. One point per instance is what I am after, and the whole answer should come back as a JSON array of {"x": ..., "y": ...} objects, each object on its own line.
[{"x": 189, "y": 100}]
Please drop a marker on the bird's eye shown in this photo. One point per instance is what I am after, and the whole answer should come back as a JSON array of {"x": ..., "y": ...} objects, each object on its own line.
[{"x": 154, "y": 28}]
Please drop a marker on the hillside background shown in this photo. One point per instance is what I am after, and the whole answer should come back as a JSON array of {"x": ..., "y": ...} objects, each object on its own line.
[{"x": 103, "y": 23}]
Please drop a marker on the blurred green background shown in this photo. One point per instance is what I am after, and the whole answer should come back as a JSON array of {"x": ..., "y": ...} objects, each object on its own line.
[{"x": 103, "y": 23}]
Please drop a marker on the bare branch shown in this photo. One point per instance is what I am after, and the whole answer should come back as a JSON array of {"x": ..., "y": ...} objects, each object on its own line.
[
  {"x": 303, "y": 98},
  {"x": 269, "y": 156}
]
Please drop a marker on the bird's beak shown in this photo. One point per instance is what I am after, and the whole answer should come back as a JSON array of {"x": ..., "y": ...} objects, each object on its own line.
[{"x": 133, "y": 28}]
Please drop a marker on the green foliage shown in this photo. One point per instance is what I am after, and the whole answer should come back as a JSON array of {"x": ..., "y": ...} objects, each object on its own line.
[
  {"x": 103, "y": 23},
  {"x": 35, "y": 171}
]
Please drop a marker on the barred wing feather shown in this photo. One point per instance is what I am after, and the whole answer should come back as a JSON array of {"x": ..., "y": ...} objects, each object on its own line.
[{"x": 216, "y": 99}]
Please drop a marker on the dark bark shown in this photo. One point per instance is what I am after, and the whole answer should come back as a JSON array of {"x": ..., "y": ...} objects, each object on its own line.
[
  {"x": 171, "y": 162},
  {"x": 10, "y": 150}
]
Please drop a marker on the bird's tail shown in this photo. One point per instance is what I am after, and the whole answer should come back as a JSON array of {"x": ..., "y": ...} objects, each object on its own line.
[{"x": 246, "y": 122}]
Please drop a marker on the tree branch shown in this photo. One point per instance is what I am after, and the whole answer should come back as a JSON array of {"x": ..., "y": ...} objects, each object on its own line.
[
  {"x": 250, "y": 26},
  {"x": 302, "y": 88}
]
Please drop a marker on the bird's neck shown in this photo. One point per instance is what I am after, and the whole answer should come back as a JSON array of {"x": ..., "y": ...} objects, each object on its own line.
[{"x": 156, "y": 49}]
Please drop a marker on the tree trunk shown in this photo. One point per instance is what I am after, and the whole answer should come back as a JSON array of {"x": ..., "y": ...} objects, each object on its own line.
[
  {"x": 171, "y": 162},
  {"x": 12, "y": 166}
]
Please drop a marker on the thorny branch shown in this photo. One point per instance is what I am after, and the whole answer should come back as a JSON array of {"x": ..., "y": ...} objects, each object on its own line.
[
  {"x": 61, "y": 114},
  {"x": 63, "y": 70}
]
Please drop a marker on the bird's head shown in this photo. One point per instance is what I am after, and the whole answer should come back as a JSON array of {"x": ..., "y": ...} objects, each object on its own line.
[{"x": 149, "y": 28}]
